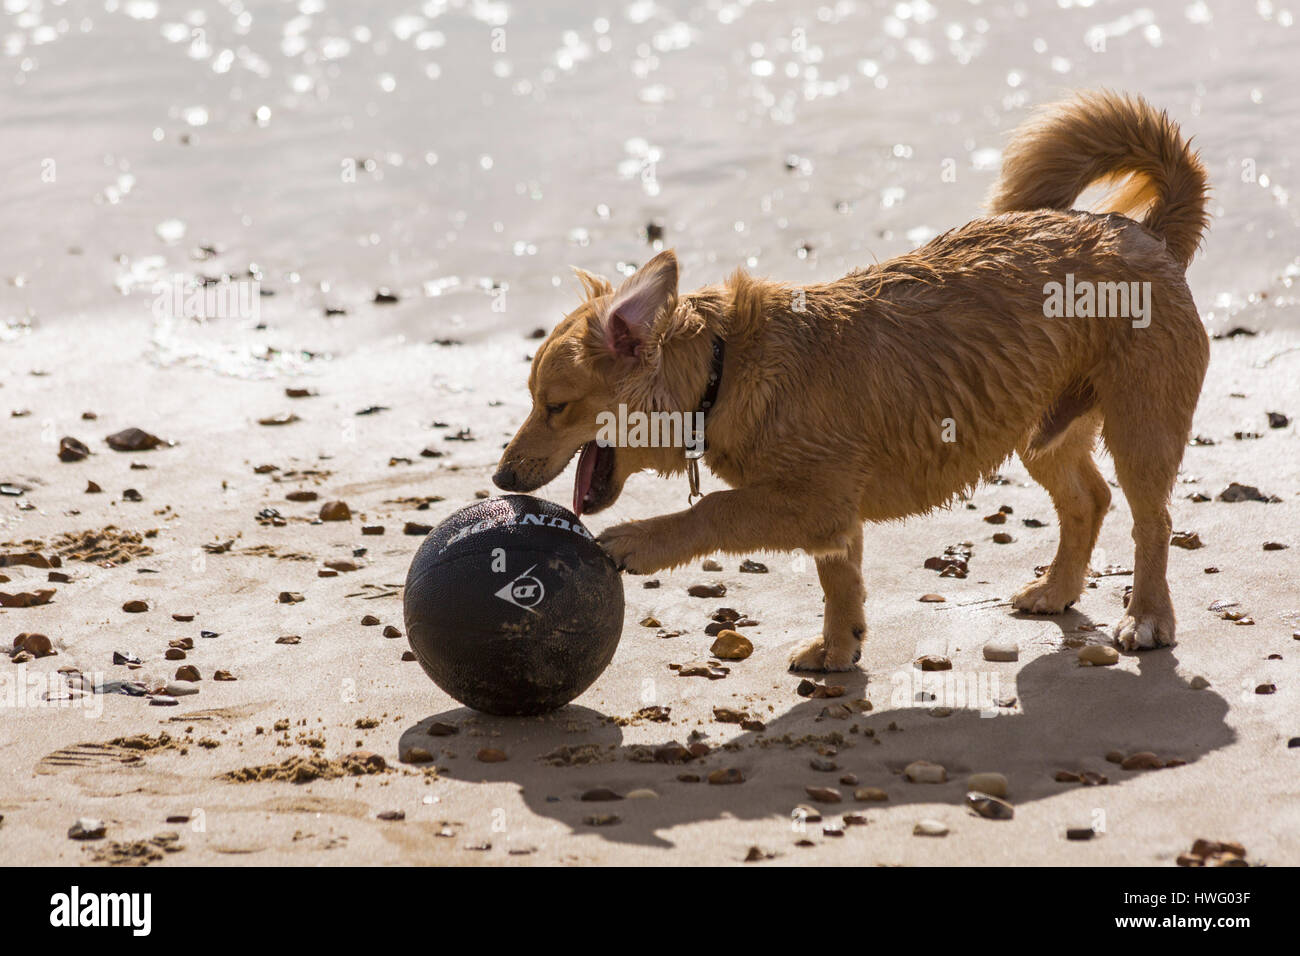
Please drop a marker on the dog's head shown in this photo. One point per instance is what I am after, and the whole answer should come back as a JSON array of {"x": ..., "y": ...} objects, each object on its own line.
[{"x": 604, "y": 354}]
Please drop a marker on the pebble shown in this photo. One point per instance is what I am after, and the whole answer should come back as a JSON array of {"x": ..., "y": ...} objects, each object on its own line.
[
  {"x": 180, "y": 689},
  {"x": 731, "y": 646},
  {"x": 1080, "y": 833},
  {"x": 372, "y": 529},
  {"x": 650, "y": 621},
  {"x": 1198, "y": 683},
  {"x": 643, "y": 793},
  {"x": 930, "y": 828},
  {"x": 133, "y": 439},
  {"x": 824, "y": 794},
  {"x": 391, "y": 631},
  {"x": 223, "y": 675},
  {"x": 438, "y": 729},
  {"x": 369, "y": 620},
  {"x": 391, "y": 815},
  {"x": 932, "y": 599},
  {"x": 87, "y": 828},
  {"x": 728, "y": 776},
  {"x": 990, "y": 808},
  {"x": 752, "y": 567},
  {"x": 1003, "y": 537},
  {"x": 289, "y": 639},
  {"x": 70, "y": 449},
  {"x": 870, "y": 795},
  {"x": 1002, "y": 651},
  {"x": 491, "y": 755},
  {"x": 994, "y": 784},
  {"x": 188, "y": 672},
  {"x": 602, "y": 819},
  {"x": 174, "y": 654},
  {"x": 823, "y": 764},
  {"x": 1189, "y": 540},
  {"x": 707, "y": 590},
  {"x": 290, "y": 597},
  {"x": 162, "y": 700},
  {"x": 922, "y": 771},
  {"x": 710, "y": 565},
  {"x": 418, "y": 755},
  {"x": 600, "y": 795},
  {"x": 335, "y": 511},
  {"x": 135, "y": 607},
  {"x": 1143, "y": 760},
  {"x": 1098, "y": 655}
]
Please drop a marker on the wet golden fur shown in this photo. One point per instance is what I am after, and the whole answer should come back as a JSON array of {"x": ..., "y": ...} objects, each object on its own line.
[{"x": 837, "y": 399}]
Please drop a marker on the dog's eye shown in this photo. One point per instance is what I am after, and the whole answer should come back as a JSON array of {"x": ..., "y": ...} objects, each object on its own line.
[{"x": 554, "y": 408}]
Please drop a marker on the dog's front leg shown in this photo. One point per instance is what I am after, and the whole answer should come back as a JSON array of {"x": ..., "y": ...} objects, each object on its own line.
[
  {"x": 844, "y": 624},
  {"x": 754, "y": 518},
  {"x": 765, "y": 518}
]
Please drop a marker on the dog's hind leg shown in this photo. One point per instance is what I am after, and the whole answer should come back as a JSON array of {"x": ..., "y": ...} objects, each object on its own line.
[
  {"x": 844, "y": 623},
  {"x": 1081, "y": 497},
  {"x": 1148, "y": 415}
]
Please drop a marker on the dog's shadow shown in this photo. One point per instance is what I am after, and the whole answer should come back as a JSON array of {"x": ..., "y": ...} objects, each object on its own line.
[{"x": 1066, "y": 717}]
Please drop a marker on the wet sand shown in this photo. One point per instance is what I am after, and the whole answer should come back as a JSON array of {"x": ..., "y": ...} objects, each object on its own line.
[{"x": 344, "y": 686}]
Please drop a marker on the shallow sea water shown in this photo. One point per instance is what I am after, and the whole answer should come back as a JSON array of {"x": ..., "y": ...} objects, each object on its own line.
[{"x": 465, "y": 154}]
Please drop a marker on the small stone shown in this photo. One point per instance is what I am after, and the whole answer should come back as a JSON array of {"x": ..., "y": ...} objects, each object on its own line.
[
  {"x": 1098, "y": 655},
  {"x": 1189, "y": 540},
  {"x": 1002, "y": 537},
  {"x": 990, "y": 808},
  {"x": 993, "y": 784},
  {"x": 929, "y": 828},
  {"x": 806, "y": 814},
  {"x": 823, "y": 764},
  {"x": 998, "y": 517},
  {"x": 824, "y": 794},
  {"x": 417, "y": 755},
  {"x": 724, "y": 777},
  {"x": 301, "y": 494},
  {"x": 1002, "y": 651},
  {"x": 1275, "y": 546},
  {"x": 289, "y": 639},
  {"x": 600, "y": 795},
  {"x": 1198, "y": 683},
  {"x": 933, "y": 662},
  {"x": 752, "y": 567},
  {"x": 174, "y": 654},
  {"x": 870, "y": 795},
  {"x": 135, "y": 607},
  {"x": 70, "y": 449},
  {"x": 642, "y": 793},
  {"x": 223, "y": 675},
  {"x": 133, "y": 439},
  {"x": 1114, "y": 756},
  {"x": 710, "y": 565},
  {"x": 335, "y": 511},
  {"x": 932, "y": 599},
  {"x": 922, "y": 771},
  {"x": 707, "y": 590},
  {"x": 163, "y": 700},
  {"x": 439, "y": 729},
  {"x": 180, "y": 689},
  {"x": 290, "y": 597},
  {"x": 1080, "y": 833},
  {"x": 391, "y": 631},
  {"x": 391, "y": 815},
  {"x": 1266, "y": 689},
  {"x": 650, "y": 622},
  {"x": 87, "y": 828},
  {"x": 188, "y": 672},
  {"x": 731, "y": 646},
  {"x": 1143, "y": 760},
  {"x": 372, "y": 529},
  {"x": 369, "y": 620},
  {"x": 602, "y": 819},
  {"x": 491, "y": 755}
]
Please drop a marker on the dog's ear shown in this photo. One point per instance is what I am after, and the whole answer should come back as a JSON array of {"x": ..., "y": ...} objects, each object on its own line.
[
  {"x": 639, "y": 300},
  {"x": 593, "y": 285}
]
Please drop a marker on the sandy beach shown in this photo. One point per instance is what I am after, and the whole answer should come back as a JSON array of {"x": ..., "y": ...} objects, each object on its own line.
[{"x": 382, "y": 363}]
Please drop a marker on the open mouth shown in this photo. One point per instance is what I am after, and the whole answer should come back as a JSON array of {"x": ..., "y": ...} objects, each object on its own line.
[{"x": 591, "y": 488}]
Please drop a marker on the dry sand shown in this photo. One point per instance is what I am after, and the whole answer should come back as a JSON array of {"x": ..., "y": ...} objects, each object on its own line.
[{"x": 345, "y": 687}]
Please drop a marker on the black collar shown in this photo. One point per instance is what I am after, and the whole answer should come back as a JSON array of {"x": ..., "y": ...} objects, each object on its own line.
[{"x": 715, "y": 377}]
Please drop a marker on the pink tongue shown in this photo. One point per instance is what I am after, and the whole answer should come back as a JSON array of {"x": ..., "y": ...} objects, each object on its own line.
[{"x": 582, "y": 483}]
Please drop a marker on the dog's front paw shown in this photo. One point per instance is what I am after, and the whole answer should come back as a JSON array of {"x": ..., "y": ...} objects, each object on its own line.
[
  {"x": 1144, "y": 631},
  {"x": 1044, "y": 596},
  {"x": 635, "y": 548},
  {"x": 815, "y": 656}
]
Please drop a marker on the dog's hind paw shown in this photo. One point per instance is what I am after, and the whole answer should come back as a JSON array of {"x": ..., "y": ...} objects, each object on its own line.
[
  {"x": 1145, "y": 631},
  {"x": 1044, "y": 596},
  {"x": 814, "y": 656}
]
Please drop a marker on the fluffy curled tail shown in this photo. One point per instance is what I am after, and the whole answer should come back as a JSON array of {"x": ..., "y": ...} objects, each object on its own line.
[{"x": 1122, "y": 141}]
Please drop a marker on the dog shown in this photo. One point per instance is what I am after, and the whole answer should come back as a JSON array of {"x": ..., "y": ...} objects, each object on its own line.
[{"x": 896, "y": 389}]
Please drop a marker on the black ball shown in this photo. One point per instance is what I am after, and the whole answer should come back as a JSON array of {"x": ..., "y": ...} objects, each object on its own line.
[{"x": 511, "y": 606}]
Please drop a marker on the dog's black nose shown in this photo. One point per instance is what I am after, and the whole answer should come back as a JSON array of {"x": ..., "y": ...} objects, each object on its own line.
[{"x": 505, "y": 478}]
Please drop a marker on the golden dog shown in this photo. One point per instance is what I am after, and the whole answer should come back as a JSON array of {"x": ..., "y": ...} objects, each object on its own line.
[{"x": 890, "y": 391}]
